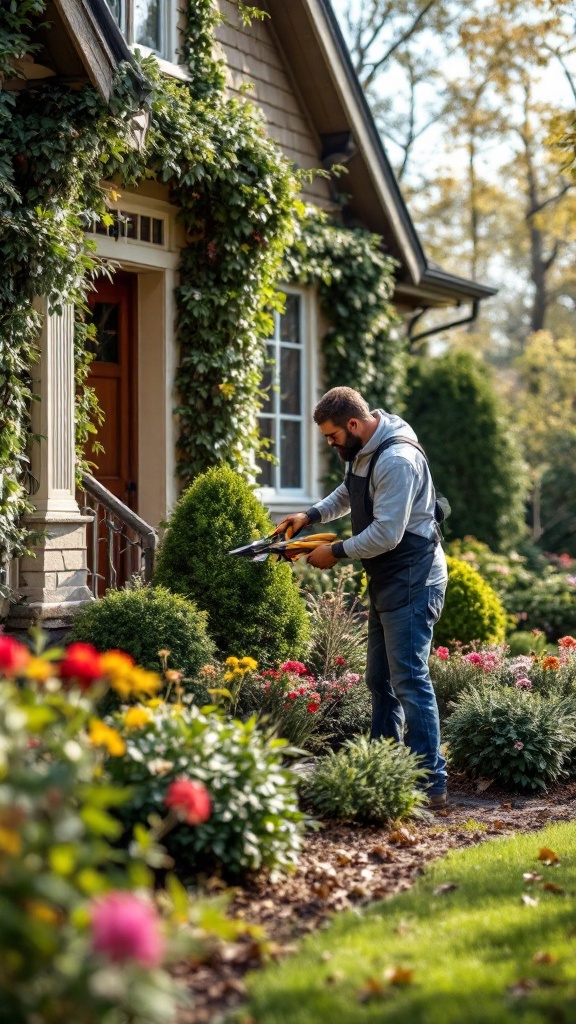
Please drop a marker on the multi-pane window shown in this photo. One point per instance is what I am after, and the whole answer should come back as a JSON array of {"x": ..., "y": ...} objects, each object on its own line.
[
  {"x": 282, "y": 415},
  {"x": 143, "y": 22}
]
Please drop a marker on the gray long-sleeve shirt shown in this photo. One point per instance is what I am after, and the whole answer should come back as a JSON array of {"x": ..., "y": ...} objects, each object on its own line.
[{"x": 402, "y": 492}]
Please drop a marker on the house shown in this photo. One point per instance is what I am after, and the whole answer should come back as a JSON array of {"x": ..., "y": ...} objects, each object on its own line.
[{"x": 303, "y": 80}]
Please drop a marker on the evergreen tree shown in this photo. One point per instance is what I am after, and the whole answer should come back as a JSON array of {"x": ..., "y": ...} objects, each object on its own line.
[{"x": 474, "y": 458}]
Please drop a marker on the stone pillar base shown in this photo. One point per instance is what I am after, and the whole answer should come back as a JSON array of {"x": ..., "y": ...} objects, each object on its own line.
[{"x": 52, "y": 581}]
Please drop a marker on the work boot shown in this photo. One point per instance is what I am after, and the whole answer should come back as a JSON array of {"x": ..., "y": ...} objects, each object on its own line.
[{"x": 438, "y": 801}]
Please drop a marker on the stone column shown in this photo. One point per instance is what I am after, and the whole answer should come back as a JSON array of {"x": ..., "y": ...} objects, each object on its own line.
[{"x": 52, "y": 581}]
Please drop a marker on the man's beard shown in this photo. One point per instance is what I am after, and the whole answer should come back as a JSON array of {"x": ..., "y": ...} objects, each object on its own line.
[{"x": 350, "y": 449}]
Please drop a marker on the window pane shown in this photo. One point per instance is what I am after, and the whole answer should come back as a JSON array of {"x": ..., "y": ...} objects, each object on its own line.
[
  {"x": 116, "y": 7},
  {"x": 266, "y": 477},
  {"x": 268, "y": 379},
  {"x": 157, "y": 231},
  {"x": 290, "y": 455},
  {"x": 147, "y": 29},
  {"x": 290, "y": 381},
  {"x": 144, "y": 229},
  {"x": 106, "y": 346},
  {"x": 290, "y": 320}
]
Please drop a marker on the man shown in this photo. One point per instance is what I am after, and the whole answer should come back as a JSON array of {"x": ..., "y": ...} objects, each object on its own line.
[{"x": 389, "y": 492}]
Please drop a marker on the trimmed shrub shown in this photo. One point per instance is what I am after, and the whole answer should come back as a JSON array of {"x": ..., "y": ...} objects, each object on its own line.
[
  {"x": 472, "y": 609},
  {"x": 517, "y": 738},
  {"x": 144, "y": 620},
  {"x": 254, "y": 609},
  {"x": 366, "y": 782},
  {"x": 255, "y": 820}
]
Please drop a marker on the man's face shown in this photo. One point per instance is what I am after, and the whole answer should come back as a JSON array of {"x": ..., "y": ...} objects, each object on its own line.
[{"x": 343, "y": 439}]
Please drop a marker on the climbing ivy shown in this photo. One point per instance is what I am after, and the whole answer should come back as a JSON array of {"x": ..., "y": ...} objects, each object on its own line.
[{"x": 238, "y": 201}]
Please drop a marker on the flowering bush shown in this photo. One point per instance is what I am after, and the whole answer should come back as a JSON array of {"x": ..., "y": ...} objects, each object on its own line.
[
  {"x": 75, "y": 943},
  {"x": 308, "y": 712},
  {"x": 338, "y": 630},
  {"x": 367, "y": 782},
  {"x": 254, "y": 819},
  {"x": 511, "y": 735}
]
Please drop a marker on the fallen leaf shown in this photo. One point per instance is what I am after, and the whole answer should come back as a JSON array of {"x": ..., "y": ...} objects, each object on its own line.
[
  {"x": 498, "y": 824},
  {"x": 505, "y": 807},
  {"x": 548, "y": 856},
  {"x": 373, "y": 988},
  {"x": 529, "y": 901},
  {"x": 399, "y": 975},
  {"x": 382, "y": 852},
  {"x": 441, "y": 890},
  {"x": 552, "y": 887},
  {"x": 523, "y": 987},
  {"x": 483, "y": 784},
  {"x": 542, "y": 957},
  {"x": 403, "y": 837},
  {"x": 342, "y": 857},
  {"x": 531, "y": 876}
]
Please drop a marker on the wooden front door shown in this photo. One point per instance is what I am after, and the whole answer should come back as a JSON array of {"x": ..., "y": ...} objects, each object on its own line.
[{"x": 113, "y": 377}]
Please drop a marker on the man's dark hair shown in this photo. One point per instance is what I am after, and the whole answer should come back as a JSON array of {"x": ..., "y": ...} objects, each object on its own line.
[{"x": 340, "y": 405}]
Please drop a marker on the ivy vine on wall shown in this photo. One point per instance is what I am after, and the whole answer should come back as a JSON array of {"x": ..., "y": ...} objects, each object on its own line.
[{"x": 238, "y": 198}]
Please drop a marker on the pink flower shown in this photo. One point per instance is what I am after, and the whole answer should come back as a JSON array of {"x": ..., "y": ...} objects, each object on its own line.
[
  {"x": 519, "y": 745},
  {"x": 352, "y": 678},
  {"x": 14, "y": 656},
  {"x": 474, "y": 658},
  {"x": 339, "y": 661},
  {"x": 443, "y": 653},
  {"x": 126, "y": 928},
  {"x": 296, "y": 668},
  {"x": 568, "y": 643},
  {"x": 524, "y": 683},
  {"x": 190, "y": 800}
]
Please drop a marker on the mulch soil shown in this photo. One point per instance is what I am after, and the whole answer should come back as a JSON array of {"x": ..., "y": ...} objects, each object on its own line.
[{"x": 349, "y": 865}]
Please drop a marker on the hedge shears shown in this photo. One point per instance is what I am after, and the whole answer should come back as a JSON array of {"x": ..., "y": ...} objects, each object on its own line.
[{"x": 282, "y": 546}]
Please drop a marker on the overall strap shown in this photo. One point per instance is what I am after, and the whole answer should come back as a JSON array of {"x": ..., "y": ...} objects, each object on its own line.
[{"x": 397, "y": 439}]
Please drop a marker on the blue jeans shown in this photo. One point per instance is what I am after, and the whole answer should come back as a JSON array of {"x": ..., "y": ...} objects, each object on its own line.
[{"x": 404, "y": 704}]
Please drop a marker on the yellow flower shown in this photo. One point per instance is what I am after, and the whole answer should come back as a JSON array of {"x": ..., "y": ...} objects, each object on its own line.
[
  {"x": 101, "y": 735},
  {"x": 248, "y": 664},
  {"x": 10, "y": 842},
  {"x": 227, "y": 389},
  {"x": 154, "y": 702},
  {"x": 232, "y": 662},
  {"x": 116, "y": 663},
  {"x": 42, "y": 912},
  {"x": 39, "y": 670},
  {"x": 228, "y": 677},
  {"x": 145, "y": 682},
  {"x": 137, "y": 718}
]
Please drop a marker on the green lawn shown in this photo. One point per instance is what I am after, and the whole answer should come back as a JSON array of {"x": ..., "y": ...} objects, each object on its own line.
[{"x": 466, "y": 948}]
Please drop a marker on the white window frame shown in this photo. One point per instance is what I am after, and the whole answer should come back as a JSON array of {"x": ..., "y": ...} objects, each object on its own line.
[
  {"x": 167, "y": 50},
  {"x": 283, "y": 498}
]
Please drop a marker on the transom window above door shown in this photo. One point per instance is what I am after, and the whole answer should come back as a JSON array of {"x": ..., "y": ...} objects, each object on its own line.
[
  {"x": 144, "y": 23},
  {"x": 283, "y": 415}
]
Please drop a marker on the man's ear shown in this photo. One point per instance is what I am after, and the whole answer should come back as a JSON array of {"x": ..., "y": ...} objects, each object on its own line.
[{"x": 352, "y": 425}]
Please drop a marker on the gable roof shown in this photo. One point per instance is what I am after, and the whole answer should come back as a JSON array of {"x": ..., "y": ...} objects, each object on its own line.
[{"x": 310, "y": 37}]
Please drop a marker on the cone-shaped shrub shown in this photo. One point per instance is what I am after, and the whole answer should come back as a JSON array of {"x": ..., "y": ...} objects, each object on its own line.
[
  {"x": 253, "y": 609},
  {"x": 472, "y": 609}
]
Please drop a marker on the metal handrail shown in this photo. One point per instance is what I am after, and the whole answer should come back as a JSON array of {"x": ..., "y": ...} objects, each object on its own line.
[{"x": 124, "y": 533}]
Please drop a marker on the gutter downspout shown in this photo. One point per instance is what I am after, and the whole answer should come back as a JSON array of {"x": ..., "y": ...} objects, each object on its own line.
[{"x": 413, "y": 338}]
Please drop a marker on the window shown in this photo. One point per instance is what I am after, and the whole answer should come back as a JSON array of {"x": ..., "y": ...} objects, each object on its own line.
[
  {"x": 143, "y": 23},
  {"x": 137, "y": 227},
  {"x": 283, "y": 416}
]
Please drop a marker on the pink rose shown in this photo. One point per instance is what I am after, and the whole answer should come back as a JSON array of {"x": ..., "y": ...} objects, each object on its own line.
[
  {"x": 126, "y": 928},
  {"x": 190, "y": 800},
  {"x": 519, "y": 745},
  {"x": 473, "y": 658},
  {"x": 443, "y": 653}
]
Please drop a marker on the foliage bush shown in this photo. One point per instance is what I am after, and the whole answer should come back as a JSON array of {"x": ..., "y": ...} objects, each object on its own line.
[
  {"x": 253, "y": 609},
  {"x": 60, "y": 866},
  {"x": 255, "y": 820},
  {"x": 366, "y": 782},
  {"x": 535, "y": 593},
  {"x": 517, "y": 738},
  {"x": 472, "y": 609},
  {"x": 453, "y": 407},
  {"x": 338, "y": 630},
  {"x": 143, "y": 621}
]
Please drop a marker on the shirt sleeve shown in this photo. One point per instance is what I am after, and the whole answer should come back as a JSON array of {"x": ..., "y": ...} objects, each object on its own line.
[
  {"x": 397, "y": 482},
  {"x": 334, "y": 506}
]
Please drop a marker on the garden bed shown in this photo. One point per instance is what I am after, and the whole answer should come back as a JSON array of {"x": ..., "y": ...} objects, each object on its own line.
[{"x": 346, "y": 866}]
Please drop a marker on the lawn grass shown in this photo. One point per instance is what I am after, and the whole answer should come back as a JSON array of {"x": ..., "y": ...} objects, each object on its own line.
[{"x": 468, "y": 949}]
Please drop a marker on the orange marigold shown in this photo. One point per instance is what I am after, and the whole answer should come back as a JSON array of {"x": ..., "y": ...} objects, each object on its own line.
[{"x": 551, "y": 662}]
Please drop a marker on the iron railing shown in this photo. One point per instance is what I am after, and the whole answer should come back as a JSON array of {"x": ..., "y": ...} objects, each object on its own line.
[{"x": 120, "y": 543}]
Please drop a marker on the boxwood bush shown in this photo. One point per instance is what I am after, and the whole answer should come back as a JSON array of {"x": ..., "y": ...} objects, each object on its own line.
[
  {"x": 253, "y": 609},
  {"x": 472, "y": 609},
  {"x": 519, "y": 739},
  {"x": 255, "y": 820},
  {"x": 366, "y": 782},
  {"x": 144, "y": 620}
]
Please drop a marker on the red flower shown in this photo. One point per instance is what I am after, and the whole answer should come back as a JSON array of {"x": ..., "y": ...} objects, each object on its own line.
[
  {"x": 296, "y": 668},
  {"x": 190, "y": 800},
  {"x": 443, "y": 653},
  {"x": 339, "y": 661},
  {"x": 14, "y": 656},
  {"x": 567, "y": 642},
  {"x": 292, "y": 695},
  {"x": 313, "y": 707},
  {"x": 81, "y": 664}
]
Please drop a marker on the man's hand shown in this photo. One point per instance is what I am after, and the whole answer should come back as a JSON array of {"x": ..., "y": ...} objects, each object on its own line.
[
  {"x": 322, "y": 557},
  {"x": 298, "y": 520}
]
